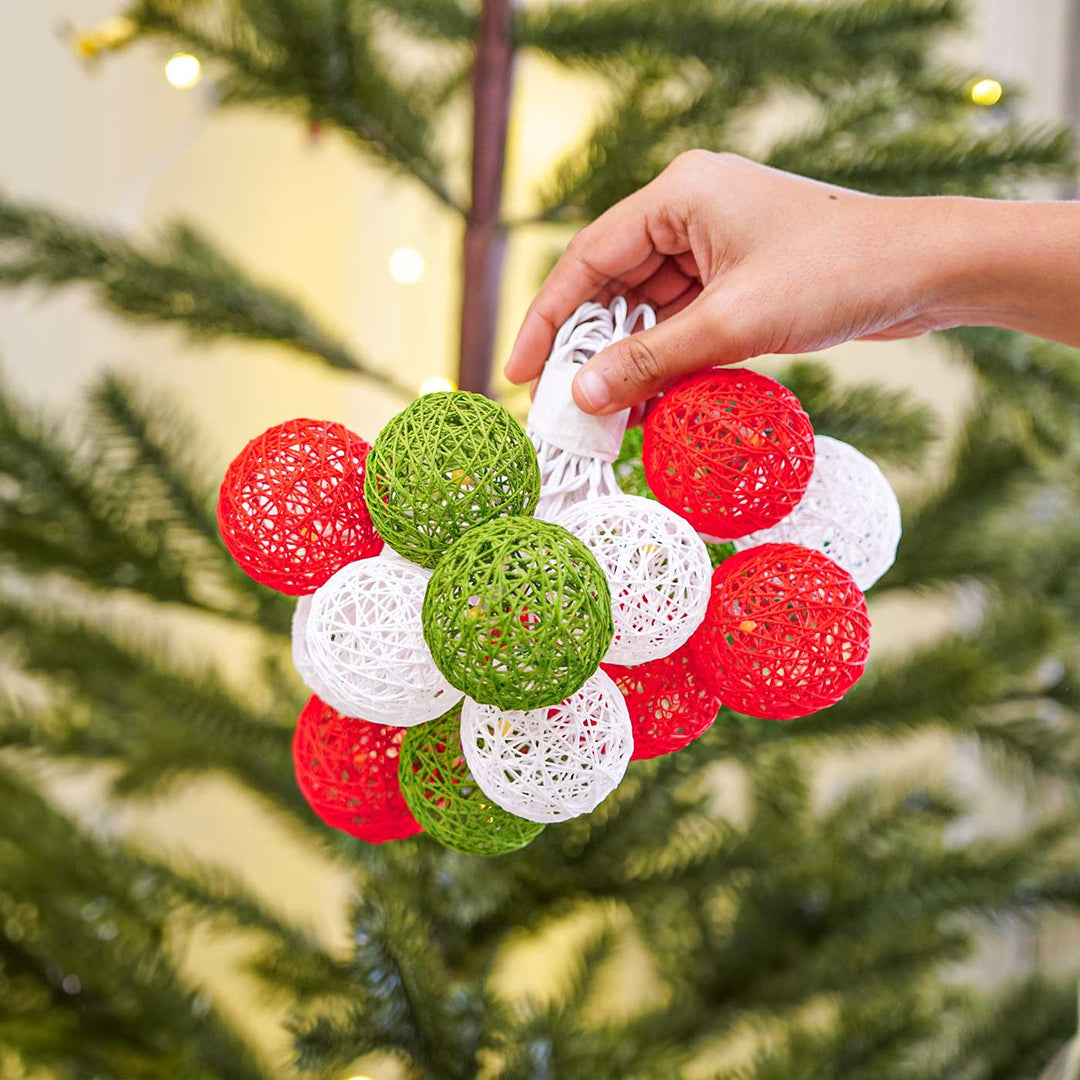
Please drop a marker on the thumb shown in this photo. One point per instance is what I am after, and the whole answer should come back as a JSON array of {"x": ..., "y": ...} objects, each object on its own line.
[{"x": 638, "y": 367}]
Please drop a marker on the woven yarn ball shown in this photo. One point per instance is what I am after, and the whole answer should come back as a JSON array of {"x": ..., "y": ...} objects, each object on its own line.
[
  {"x": 657, "y": 568},
  {"x": 347, "y": 770},
  {"x": 443, "y": 796},
  {"x": 291, "y": 508},
  {"x": 730, "y": 450},
  {"x": 669, "y": 702},
  {"x": 518, "y": 614},
  {"x": 849, "y": 512},
  {"x": 551, "y": 764},
  {"x": 786, "y": 633},
  {"x": 365, "y": 645},
  {"x": 447, "y": 463}
]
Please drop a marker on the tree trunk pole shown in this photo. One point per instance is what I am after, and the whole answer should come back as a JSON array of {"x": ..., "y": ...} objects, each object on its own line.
[{"x": 485, "y": 237}]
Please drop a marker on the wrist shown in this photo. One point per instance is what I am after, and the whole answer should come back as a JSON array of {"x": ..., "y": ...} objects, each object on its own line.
[{"x": 986, "y": 262}]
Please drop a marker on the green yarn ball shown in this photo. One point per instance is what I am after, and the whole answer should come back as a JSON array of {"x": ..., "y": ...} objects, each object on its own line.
[
  {"x": 447, "y": 801},
  {"x": 518, "y": 614},
  {"x": 447, "y": 463}
]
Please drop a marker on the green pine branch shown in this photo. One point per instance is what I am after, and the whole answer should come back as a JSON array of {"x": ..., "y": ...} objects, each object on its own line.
[
  {"x": 404, "y": 1000},
  {"x": 864, "y": 137},
  {"x": 182, "y": 280},
  {"x": 1012, "y": 1035},
  {"x": 825, "y": 919},
  {"x": 120, "y": 507},
  {"x": 992, "y": 467},
  {"x": 150, "y": 453},
  {"x": 319, "y": 60},
  {"x": 619, "y": 156},
  {"x": 929, "y": 161},
  {"x": 1039, "y": 377},
  {"x": 982, "y": 686},
  {"x": 750, "y": 42},
  {"x": 858, "y": 1042},
  {"x": 57, "y": 516},
  {"x": 289, "y": 961},
  {"x": 158, "y": 721},
  {"x": 87, "y": 987},
  {"x": 887, "y": 425},
  {"x": 437, "y": 20}
]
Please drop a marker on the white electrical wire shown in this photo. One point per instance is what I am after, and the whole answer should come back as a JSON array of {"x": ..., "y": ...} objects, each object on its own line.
[{"x": 575, "y": 449}]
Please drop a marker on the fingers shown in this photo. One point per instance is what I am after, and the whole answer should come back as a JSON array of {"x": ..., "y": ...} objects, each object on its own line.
[
  {"x": 633, "y": 370},
  {"x": 684, "y": 299},
  {"x": 664, "y": 287},
  {"x": 615, "y": 249}
]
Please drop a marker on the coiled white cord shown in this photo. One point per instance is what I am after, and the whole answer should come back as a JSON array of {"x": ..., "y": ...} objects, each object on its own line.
[{"x": 575, "y": 449}]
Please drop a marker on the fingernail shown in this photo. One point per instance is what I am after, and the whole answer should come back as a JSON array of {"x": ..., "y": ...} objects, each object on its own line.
[{"x": 592, "y": 387}]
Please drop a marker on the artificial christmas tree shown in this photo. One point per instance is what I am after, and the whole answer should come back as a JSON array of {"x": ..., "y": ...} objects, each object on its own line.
[{"x": 810, "y": 939}]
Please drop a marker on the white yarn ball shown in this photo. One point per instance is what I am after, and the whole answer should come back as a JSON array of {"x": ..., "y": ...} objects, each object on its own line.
[
  {"x": 849, "y": 512},
  {"x": 301, "y": 660},
  {"x": 365, "y": 645},
  {"x": 550, "y": 764},
  {"x": 657, "y": 568}
]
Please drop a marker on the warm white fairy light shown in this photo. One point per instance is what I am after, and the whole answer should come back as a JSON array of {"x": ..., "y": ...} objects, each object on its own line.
[
  {"x": 406, "y": 265},
  {"x": 183, "y": 71},
  {"x": 986, "y": 92},
  {"x": 435, "y": 384}
]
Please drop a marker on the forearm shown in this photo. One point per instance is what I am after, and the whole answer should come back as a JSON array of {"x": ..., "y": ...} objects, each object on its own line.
[
  {"x": 741, "y": 260},
  {"x": 1009, "y": 264}
]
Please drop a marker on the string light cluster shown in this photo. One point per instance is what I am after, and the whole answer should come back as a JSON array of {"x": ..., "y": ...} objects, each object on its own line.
[{"x": 481, "y": 671}]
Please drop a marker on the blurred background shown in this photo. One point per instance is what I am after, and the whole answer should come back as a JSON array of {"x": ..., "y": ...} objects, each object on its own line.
[
  {"x": 114, "y": 142},
  {"x": 109, "y": 135}
]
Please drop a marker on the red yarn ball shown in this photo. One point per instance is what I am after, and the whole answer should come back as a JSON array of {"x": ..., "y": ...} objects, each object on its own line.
[
  {"x": 291, "y": 508},
  {"x": 786, "y": 632},
  {"x": 670, "y": 703},
  {"x": 730, "y": 450},
  {"x": 347, "y": 769}
]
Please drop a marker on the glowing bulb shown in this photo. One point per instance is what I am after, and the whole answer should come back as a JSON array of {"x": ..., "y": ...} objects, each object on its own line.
[
  {"x": 986, "y": 92},
  {"x": 359, "y": 1078},
  {"x": 406, "y": 265},
  {"x": 183, "y": 71},
  {"x": 434, "y": 384}
]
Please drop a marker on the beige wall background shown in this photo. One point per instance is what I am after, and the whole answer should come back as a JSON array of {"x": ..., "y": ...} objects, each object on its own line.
[{"x": 116, "y": 144}]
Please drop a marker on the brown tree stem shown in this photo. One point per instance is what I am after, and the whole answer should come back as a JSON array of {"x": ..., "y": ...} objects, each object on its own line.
[{"x": 485, "y": 236}]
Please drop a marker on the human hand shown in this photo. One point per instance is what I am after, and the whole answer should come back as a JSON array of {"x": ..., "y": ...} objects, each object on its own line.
[{"x": 740, "y": 260}]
